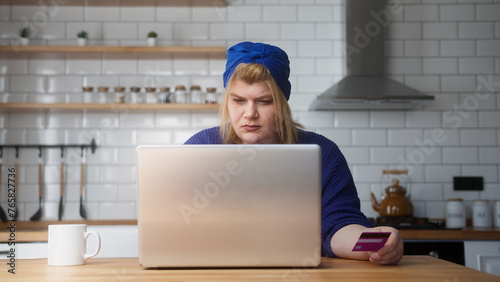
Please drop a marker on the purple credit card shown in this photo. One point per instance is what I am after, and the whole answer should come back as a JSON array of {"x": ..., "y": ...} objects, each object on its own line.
[{"x": 371, "y": 241}]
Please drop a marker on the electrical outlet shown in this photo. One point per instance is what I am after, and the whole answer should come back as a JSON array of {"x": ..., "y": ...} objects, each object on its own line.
[{"x": 468, "y": 183}]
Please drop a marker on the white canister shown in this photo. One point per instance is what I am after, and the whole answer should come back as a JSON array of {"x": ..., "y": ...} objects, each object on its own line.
[
  {"x": 455, "y": 214},
  {"x": 481, "y": 213},
  {"x": 496, "y": 213}
]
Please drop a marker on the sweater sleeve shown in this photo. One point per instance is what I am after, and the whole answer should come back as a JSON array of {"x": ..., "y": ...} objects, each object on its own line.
[{"x": 340, "y": 205}]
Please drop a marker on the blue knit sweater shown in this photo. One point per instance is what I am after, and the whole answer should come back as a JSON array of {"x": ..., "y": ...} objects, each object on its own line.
[{"x": 340, "y": 205}]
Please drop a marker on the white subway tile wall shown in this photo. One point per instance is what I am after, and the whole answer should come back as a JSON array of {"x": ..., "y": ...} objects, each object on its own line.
[{"x": 450, "y": 49}]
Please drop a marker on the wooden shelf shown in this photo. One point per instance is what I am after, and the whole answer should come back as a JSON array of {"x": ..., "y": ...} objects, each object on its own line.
[
  {"x": 126, "y": 3},
  {"x": 469, "y": 233},
  {"x": 219, "y": 50},
  {"x": 105, "y": 107}
]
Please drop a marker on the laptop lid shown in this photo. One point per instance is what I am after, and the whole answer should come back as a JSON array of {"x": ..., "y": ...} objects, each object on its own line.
[{"x": 229, "y": 205}]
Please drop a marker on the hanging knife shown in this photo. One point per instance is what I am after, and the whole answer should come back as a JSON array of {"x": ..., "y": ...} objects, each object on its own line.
[{"x": 62, "y": 192}]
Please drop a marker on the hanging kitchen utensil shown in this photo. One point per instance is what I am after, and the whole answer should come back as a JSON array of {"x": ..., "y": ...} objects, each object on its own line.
[
  {"x": 3, "y": 216},
  {"x": 83, "y": 212},
  {"x": 38, "y": 214},
  {"x": 62, "y": 185}
]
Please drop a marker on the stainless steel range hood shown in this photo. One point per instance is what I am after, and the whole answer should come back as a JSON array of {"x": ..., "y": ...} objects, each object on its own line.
[{"x": 366, "y": 87}]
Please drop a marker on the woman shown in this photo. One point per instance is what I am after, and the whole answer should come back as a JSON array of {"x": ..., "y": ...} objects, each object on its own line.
[{"x": 255, "y": 110}]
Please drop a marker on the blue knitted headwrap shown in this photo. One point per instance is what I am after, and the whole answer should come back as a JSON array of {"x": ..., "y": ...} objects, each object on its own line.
[{"x": 272, "y": 57}]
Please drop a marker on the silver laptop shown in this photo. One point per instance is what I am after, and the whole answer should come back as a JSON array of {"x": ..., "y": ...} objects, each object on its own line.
[{"x": 229, "y": 205}]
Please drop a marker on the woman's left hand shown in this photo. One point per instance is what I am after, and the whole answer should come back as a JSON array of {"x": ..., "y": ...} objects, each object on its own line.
[{"x": 392, "y": 252}]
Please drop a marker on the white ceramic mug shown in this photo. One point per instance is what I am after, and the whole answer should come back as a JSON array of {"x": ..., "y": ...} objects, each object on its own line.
[{"x": 68, "y": 244}]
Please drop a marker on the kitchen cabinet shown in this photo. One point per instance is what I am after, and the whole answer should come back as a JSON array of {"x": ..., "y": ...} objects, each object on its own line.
[
  {"x": 26, "y": 250},
  {"x": 483, "y": 256},
  {"x": 450, "y": 250}
]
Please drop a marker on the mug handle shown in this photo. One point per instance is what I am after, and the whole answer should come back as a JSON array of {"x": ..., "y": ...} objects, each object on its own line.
[{"x": 87, "y": 234}]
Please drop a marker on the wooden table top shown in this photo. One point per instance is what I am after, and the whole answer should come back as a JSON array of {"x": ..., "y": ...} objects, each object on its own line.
[{"x": 411, "y": 268}]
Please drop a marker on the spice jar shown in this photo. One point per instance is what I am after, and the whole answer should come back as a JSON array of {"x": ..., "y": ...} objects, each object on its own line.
[
  {"x": 180, "y": 95},
  {"x": 151, "y": 95},
  {"x": 164, "y": 96},
  {"x": 102, "y": 95},
  {"x": 196, "y": 95},
  {"x": 119, "y": 94},
  {"x": 87, "y": 94},
  {"x": 455, "y": 214},
  {"x": 211, "y": 96},
  {"x": 481, "y": 213},
  {"x": 135, "y": 95}
]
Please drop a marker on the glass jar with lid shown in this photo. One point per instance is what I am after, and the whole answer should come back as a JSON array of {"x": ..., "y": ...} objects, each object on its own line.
[
  {"x": 211, "y": 96},
  {"x": 135, "y": 95},
  {"x": 102, "y": 94},
  {"x": 197, "y": 96},
  {"x": 164, "y": 96},
  {"x": 87, "y": 94},
  {"x": 180, "y": 95},
  {"x": 151, "y": 97},
  {"x": 119, "y": 94}
]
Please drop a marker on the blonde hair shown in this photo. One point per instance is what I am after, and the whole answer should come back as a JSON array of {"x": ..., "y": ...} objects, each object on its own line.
[{"x": 287, "y": 128}]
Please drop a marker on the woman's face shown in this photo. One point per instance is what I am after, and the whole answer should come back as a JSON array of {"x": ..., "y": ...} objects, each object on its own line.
[{"x": 251, "y": 111}]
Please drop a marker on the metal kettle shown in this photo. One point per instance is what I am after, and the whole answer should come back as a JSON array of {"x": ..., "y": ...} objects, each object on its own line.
[{"x": 396, "y": 202}]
